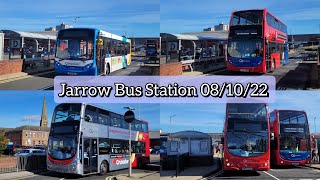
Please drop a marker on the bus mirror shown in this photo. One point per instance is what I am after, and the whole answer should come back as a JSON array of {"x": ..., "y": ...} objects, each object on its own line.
[
  {"x": 88, "y": 118},
  {"x": 222, "y": 140},
  {"x": 272, "y": 136}
]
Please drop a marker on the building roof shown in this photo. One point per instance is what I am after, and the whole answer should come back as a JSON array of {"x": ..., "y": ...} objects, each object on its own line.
[
  {"x": 29, "y": 35},
  {"x": 172, "y": 37},
  {"x": 191, "y": 134},
  {"x": 210, "y": 35},
  {"x": 32, "y": 128},
  {"x": 154, "y": 134},
  {"x": 219, "y": 35}
]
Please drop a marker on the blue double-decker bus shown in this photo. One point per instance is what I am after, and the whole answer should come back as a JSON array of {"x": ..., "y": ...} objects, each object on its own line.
[
  {"x": 290, "y": 143},
  {"x": 88, "y": 51}
]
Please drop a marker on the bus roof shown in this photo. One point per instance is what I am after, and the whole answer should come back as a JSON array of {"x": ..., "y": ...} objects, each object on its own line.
[
  {"x": 259, "y": 10},
  {"x": 101, "y": 33},
  {"x": 112, "y": 111}
]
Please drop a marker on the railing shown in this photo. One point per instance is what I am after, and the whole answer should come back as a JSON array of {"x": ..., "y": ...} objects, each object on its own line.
[{"x": 22, "y": 163}]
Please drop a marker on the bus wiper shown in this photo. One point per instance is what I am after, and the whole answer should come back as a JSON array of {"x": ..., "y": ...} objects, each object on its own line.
[
  {"x": 233, "y": 132},
  {"x": 253, "y": 133}
]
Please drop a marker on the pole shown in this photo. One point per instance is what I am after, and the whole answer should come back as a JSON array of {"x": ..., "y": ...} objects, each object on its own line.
[
  {"x": 315, "y": 127},
  {"x": 130, "y": 165},
  {"x": 170, "y": 125}
]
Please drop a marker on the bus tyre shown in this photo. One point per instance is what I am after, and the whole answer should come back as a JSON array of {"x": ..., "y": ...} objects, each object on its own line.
[
  {"x": 107, "y": 69},
  {"x": 104, "y": 168}
]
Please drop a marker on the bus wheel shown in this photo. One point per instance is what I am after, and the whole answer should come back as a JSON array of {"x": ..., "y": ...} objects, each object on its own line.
[
  {"x": 107, "y": 69},
  {"x": 103, "y": 168}
]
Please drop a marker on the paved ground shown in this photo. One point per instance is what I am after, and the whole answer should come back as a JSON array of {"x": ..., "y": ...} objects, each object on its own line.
[
  {"x": 44, "y": 80},
  {"x": 121, "y": 174},
  {"x": 275, "y": 173},
  {"x": 297, "y": 74}
]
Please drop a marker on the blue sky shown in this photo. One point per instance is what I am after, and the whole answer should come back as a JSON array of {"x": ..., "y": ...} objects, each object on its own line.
[
  {"x": 24, "y": 107},
  {"x": 210, "y": 117},
  {"x": 301, "y": 17},
  {"x": 139, "y": 18}
]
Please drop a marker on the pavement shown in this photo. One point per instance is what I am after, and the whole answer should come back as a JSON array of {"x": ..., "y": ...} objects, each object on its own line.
[
  {"x": 198, "y": 172},
  {"x": 40, "y": 79}
]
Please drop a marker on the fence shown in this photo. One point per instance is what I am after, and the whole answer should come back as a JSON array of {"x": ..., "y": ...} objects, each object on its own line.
[
  {"x": 176, "y": 162},
  {"x": 22, "y": 163}
]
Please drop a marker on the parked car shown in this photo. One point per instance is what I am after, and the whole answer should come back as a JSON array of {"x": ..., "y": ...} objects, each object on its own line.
[
  {"x": 30, "y": 152},
  {"x": 155, "y": 150},
  {"x": 163, "y": 152},
  {"x": 185, "y": 58},
  {"x": 12, "y": 149}
]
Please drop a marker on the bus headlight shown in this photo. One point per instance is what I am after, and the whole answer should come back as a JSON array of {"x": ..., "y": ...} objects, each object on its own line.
[{"x": 87, "y": 66}]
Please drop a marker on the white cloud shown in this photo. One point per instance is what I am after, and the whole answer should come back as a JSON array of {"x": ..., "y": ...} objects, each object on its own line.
[{"x": 31, "y": 118}]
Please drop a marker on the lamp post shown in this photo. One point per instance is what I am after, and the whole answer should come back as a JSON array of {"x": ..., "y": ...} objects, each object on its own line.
[
  {"x": 130, "y": 165},
  {"x": 170, "y": 122}
]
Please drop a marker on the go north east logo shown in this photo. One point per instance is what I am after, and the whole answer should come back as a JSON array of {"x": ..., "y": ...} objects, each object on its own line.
[{"x": 120, "y": 161}]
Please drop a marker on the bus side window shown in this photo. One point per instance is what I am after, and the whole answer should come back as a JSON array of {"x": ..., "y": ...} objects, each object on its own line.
[
  {"x": 114, "y": 48},
  {"x": 92, "y": 112},
  {"x": 104, "y": 117}
]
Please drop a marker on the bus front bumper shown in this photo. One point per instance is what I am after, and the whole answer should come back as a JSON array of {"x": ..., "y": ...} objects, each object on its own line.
[{"x": 254, "y": 69}]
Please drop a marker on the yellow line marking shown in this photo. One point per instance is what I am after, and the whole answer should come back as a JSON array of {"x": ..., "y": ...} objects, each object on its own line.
[{"x": 14, "y": 79}]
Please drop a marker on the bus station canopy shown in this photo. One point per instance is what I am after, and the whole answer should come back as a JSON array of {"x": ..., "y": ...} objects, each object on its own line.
[
  {"x": 190, "y": 134},
  {"x": 192, "y": 37},
  {"x": 18, "y": 34}
]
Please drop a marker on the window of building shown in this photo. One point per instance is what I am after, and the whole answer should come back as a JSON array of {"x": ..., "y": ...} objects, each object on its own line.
[
  {"x": 34, "y": 134},
  {"x": 42, "y": 134},
  {"x": 42, "y": 142},
  {"x": 27, "y": 133},
  {"x": 30, "y": 134},
  {"x": 39, "y": 142}
]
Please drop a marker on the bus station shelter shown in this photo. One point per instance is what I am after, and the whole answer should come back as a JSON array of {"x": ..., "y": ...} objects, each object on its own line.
[
  {"x": 24, "y": 45},
  {"x": 197, "y": 145},
  {"x": 198, "y": 47}
]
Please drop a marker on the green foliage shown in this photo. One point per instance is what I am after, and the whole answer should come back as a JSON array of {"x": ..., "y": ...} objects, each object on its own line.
[{"x": 3, "y": 142}]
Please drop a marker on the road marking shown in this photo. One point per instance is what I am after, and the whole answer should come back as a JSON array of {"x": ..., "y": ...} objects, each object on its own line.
[
  {"x": 271, "y": 175},
  {"x": 14, "y": 79},
  {"x": 62, "y": 179}
]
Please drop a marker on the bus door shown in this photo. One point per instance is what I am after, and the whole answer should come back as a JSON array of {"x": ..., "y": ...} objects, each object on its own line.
[
  {"x": 268, "y": 56},
  {"x": 100, "y": 56},
  {"x": 90, "y": 155}
]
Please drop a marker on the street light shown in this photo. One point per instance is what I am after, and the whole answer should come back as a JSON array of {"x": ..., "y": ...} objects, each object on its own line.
[
  {"x": 170, "y": 122},
  {"x": 130, "y": 165}
]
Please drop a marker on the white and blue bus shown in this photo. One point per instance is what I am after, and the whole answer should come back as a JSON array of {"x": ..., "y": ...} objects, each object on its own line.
[{"x": 87, "y": 51}]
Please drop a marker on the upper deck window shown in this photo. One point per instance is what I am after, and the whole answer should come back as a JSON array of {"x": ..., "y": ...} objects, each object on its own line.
[{"x": 247, "y": 17}]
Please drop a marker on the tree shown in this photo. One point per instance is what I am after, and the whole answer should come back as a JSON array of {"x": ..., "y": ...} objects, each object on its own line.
[{"x": 3, "y": 142}]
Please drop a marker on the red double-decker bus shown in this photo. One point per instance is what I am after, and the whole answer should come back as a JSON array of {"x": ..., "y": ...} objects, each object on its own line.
[
  {"x": 291, "y": 143},
  {"x": 246, "y": 137},
  {"x": 257, "y": 42}
]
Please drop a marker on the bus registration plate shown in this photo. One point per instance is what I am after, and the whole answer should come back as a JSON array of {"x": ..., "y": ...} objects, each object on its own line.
[
  {"x": 244, "y": 70},
  {"x": 295, "y": 164},
  {"x": 72, "y": 73},
  {"x": 247, "y": 169}
]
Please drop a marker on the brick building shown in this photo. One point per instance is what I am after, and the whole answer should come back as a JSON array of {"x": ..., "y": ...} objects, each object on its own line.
[
  {"x": 28, "y": 135},
  {"x": 31, "y": 135}
]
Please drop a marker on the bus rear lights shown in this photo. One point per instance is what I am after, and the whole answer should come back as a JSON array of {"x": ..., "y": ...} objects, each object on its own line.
[
  {"x": 265, "y": 164},
  {"x": 228, "y": 164},
  {"x": 281, "y": 162},
  {"x": 227, "y": 160}
]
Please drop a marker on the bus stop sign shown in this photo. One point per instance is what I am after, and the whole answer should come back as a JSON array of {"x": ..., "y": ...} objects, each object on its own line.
[{"x": 129, "y": 116}]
